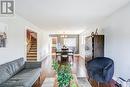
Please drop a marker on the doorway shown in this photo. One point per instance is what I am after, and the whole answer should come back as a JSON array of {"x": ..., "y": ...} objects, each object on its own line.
[{"x": 31, "y": 39}]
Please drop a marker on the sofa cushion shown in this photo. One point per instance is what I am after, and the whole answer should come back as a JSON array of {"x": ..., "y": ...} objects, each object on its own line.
[
  {"x": 9, "y": 69},
  {"x": 31, "y": 65},
  {"x": 25, "y": 78}
]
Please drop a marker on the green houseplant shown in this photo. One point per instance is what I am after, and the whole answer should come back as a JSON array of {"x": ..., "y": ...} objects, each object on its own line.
[
  {"x": 63, "y": 72},
  {"x": 55, "y": 65}
]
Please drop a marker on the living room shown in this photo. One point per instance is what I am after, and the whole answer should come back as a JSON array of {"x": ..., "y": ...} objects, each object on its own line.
[{"x": 78, "y": 18}]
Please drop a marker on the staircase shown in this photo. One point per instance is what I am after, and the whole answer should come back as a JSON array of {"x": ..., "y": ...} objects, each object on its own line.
[{"x": 32, "y": 53}]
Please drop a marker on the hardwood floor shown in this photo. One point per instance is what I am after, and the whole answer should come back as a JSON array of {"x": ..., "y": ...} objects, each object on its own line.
[
  {"x": 96, "y": 84},
  {"x": 78, "y": 68}
]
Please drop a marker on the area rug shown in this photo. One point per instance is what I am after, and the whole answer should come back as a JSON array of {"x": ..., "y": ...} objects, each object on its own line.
[
  {"x": 83, "y": 82},
  {"x": 48, "y": 82}
]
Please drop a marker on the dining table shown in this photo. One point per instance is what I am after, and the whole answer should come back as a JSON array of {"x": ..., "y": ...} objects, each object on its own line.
[{"x": 65, "y": 53}]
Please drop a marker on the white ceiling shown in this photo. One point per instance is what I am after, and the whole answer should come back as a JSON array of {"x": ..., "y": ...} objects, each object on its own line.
[{"x": 65, "y": 13}]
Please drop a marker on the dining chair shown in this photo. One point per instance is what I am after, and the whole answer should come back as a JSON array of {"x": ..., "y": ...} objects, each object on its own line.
[{"x": 64, "y": 56}]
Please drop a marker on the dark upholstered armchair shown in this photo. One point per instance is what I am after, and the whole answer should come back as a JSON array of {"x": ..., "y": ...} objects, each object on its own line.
[{"x": 100, "y": 69}]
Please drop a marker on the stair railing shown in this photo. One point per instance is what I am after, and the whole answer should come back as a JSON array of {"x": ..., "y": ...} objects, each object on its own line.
[{"x": 29, "y": 40}]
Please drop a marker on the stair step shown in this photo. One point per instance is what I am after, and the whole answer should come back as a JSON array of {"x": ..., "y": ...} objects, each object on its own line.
[
  {"x": 33, "y": 48},
  {"x": 34, "y": 41},
  {"x": 33, "y": 45},
  {"x": 31, "y": 55},
  {"x": 32, "y": 52},
  {"x": 31, "y": 60}
]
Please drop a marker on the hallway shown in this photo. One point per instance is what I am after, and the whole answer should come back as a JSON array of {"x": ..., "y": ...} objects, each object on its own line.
[{"x": 78, "y": 67}]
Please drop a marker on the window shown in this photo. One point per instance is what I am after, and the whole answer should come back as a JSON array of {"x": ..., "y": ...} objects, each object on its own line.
[{"x": 70, "y": 42}]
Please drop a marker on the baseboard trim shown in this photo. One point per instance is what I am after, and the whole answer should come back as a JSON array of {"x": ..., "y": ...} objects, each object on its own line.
[{"x": 43, "y": 58}]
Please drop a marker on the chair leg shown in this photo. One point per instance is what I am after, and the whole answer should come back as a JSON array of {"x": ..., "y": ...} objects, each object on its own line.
[
  {"x": 98, "y": 84},
  {"x": 72, "y": 58},
  {"x": 88, "y": 78}
]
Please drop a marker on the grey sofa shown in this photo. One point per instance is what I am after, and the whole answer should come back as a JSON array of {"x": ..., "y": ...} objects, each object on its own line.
[{"x": 19, "y": 73}]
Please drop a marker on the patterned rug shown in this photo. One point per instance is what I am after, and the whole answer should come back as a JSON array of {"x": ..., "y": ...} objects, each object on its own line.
[
  {"x": 83, "y": 82},
  {"x": 48, "y": 82}
]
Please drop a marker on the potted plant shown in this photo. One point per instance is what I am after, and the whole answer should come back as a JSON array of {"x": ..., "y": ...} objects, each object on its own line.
[
  {"x": 63, "y": 72},
  {"x": 55, "y": 65}
]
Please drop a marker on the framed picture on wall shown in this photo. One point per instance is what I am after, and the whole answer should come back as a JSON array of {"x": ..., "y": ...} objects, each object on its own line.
[
  {"x": 3, "y": 38},
  {"x": 3, "y": 35}
]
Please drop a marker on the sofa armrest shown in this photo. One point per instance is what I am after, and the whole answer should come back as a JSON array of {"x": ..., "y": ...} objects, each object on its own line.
[{"x": 30, "y": 65}]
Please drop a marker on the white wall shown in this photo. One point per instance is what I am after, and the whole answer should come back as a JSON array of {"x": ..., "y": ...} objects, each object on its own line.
[
  {"x": 45, "y": 45},
  {"x": 117, "y": 41},
  {"x": 16, "y": 38}
]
